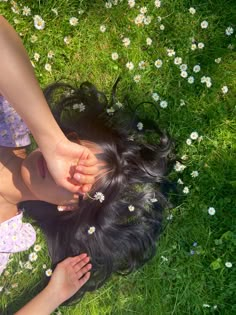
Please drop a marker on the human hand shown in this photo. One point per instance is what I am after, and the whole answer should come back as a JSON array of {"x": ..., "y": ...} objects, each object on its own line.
[
  {"x": 64, "y": 160},
  {"x": 69, "y": 276}
]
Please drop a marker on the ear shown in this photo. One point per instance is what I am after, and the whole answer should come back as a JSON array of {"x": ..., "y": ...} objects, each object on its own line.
[{"x": 69, "y": 207}]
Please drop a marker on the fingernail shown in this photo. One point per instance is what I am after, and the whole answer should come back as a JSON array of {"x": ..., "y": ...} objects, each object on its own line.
[{"x": 60, "y": 208}]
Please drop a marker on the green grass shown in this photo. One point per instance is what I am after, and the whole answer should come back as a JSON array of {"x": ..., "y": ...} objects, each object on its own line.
[{"x": 183, "y": 282}]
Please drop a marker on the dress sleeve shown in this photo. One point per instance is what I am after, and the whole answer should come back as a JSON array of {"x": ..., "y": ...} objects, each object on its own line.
[{"x": 13, "y": 130}]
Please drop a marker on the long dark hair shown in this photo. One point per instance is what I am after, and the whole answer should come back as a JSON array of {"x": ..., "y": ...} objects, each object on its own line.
[{"x": 128, "y": 222}]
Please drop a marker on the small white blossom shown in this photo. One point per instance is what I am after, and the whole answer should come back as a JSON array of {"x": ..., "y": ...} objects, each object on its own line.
[
  {"x": 33, "y": 38},
  {"x": 177, "y": 60},
  {"x": 143, "y": 10},
  {"x": 44, "y": 266},
  {"x": 114, "y": 56},
  {"x": 126, "y": 41},
  {"x": 14, "y": 285},
  {"x": 194, "y": 174},
  {"x": 194, "y": 135},
  {"x": 39, "y": 23},
  {"x": 211, "y": 211},
  {"x": 142, "y": 65},
  {"x": 73, "y": 21},
  {"x": 228, "y": 264},
  {"x": 183, "y": 67},
  {"x": 158, "y": 63},
  {"x": 155, "y": 96},
  {"x": 99, "y": 196},
  {"x": 204, "y": 24},
  {"x": 191, "y": 80},
  {"x": 179, "y": 167},
  {"x": 229, "y": 31},
  {"x": 193, "y": 47},
  {"x": 108, "y": 5},
  {"x": 184, "y": 157},
  {"x": 26, "y": 11},
  {"x": 192, "y": 10},
  {"x": 91, "y": 230},
  {"x": 48, "y": 67},
  {"x": 140, "y": 126},
  {"x": 217, "y": 60},
  {"x": 196, "y": 68},
  {"x": 206, "y": 305},
  {"x": 169, "y": 217},
  {"x": 147, "y": 20},
  {"x": 130, "y": 65},
  {"x": 159, "y": 18},
  {"x": 37, "y": 247},
  {"x": 131, "y": 3},
  {"x": 157, "y": 3},
  {"x": 119, "y": 104},
  {"x": 48, "y": 272},
  {"x": 36, "y": 56},
  {"x": 162, "y": 27},
  {"x": 200, "y": 45},
  {"x": 50, "y": 54},
  {"x": 186, "y": 190},
  {"x": 131, "y": 208},
  {"x": 102, "y": 28},
  {"x": 153, "y": 200},
  {"x": 163, "y": 104},
  {"x": 184, "y": 74},
  {"x": 182, "y": 103},
  {"x": 33, "y": 257},
  {"x": 149, "y": 41},
  {"x": 224, "y": 89},
  {"x": 180, "y": 182},
  {"x": 67, "y": 40},
  {"x": 80, "y": 106},
  {"x": 170, "y": 52},
  {"x": 137, "y": 78},
  {"x": 189, "y": 141},
  {"x": 28, "y": 265},
  {"x": 110, "y": 111}
]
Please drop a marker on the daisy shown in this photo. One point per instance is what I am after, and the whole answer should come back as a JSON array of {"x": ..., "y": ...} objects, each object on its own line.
[
  {"x": 217, "y": 60},
  {"x": 33, "y": 257},
  {"x": 224, "y": 89},
  {"x": 147, "y": 20},
  {"x": 200, "y": 45},
  {"x": 48, "y": 67},
  {"x": 114, "y": 56},
  {"x": 139, "y": 19},
  {"x": 211, "y": 211},
  {"x": 131, "y": 3},
  {"x": 48, "y": 272},
  {"x": 102, "y": 28},
  {"x": 131, "y": 208},
  {"x": 184, "y": 74},
  {"x": 163, "y": 104},
  {"x": 183, "y": 67},
  {"x": 193, "y": 47},
  {"x": 194, "y": 174},
  {"x": 194, "y": 135},
  {"x": 143, "y": 10},
  {"x": 186, "y": 190},
  {"x": 91, "y": 230},
  {"x": 196, "y": 68},
  {"x": 73, "y": 21},
  {"x": 191, "y": 80},
  {"x": 158, "y": 63},
  {"x": 204, "y": 24},
  {"x": 229, "y": 31},
  {"x": 162, "y": 27},
  {"x": 67, "y": 40},
  {"x": 157, "y": 3},
  {"x": 50, "y": 54},
  {"x": 140, "y": 126},
  {"x": 99, "y": 196},
  {"x": 37, "y": 247},
  {"x": 149, "y": 41},
  {"x": 142, "y": 65},
  {"x": 126, "y": 41},
  {"x": 36, "y": 56},
  {"x": 26, "y": 11},
  {"x": 192, "y": 10},
  {"x": 180, "y": 182},
  {"x": 130, "y": 65},
  {"x": 33, "y": 38},
  {"x": 228, "y": 264},
  {"x": 177, "y": 60},
  {"x": 179, "y": 167},
  {"x": 189, "y": 141},
  {"x": 155, "y": 96},
  {"x": 108, "y": 5},
  {"x": 80, "y": 106},
  {"x": 39, "y": 23},
  {"x": 170, "y": 52},
  {"x": 137, "y": 78}
]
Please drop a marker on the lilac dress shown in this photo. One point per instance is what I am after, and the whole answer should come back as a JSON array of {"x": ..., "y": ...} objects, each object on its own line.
[{"x": 15, "y": 236}]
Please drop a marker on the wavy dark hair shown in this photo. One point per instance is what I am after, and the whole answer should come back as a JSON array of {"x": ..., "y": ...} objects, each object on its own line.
[{"x": 123, "y": 240}]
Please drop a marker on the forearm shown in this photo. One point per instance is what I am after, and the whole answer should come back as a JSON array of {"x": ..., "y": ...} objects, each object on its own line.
[
  {"x": 43, "y": 304},
  {"x": 20, "y": 87}
]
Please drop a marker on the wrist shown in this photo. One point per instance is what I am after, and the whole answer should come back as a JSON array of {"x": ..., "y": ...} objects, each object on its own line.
[{"x": 53, "y": 297}]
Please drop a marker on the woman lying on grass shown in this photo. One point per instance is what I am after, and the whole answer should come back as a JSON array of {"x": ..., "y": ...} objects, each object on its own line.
[{"x": 119, "y": 221}]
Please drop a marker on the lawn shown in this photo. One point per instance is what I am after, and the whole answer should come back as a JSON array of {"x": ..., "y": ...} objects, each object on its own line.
[{"x": 180, "y": 55}]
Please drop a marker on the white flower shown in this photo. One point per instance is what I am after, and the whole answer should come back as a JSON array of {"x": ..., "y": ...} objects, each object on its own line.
[
  {"x": 16, "y": 21},
  {"x": 36, "y": 56},
  {"x": 196, "y": 68},
  {"x": 80, "y": 106},
  {"x": 200, "y": 45},
  {"x": 28, "y": 265},
  {"x": 208, "y": 84},
  {"x": 130, "y": 65},
  {"x": 192, "y": 10},
  {"x": 157, "y": 3},
  {"x": 140, "y": 126},
  {"x": 67, "y": 40},
  {"x": 131, "y": 208},
  {"x": 153, "y": 200},
  {"x": 228, "y": 264},
  {"x": 180, "y": 182},
  {"x": 137, "y": 78},
  {"x": 149, "y": 41},
  {"x": 163, "y": 104},
  {"x": 189, "y": 141},
  {"x": 191, "y": 80},
  {"x": 142, "y": 65},
  {"x": 131, "y": 3},
  {"x": 91, "y": 230},
  {"x": 194, "y": 135},
  {"x": 54, "y": 10},
  {"x": 33, "y": 38},
  {"x": 39, "y": 23},
  {"x": 155, "y": 96},
  {"x": 48, "y": 67},
  {"x": 224, "y": 89},
  {"x": 108, "y": 5},
  {"x": 203, "y": 79},
  {"x": 184, "y": 74},
  {"x": 193, "y": 47},
  {"x": 147, "y": 20},
  {"x": 26, "y": 11},
  {"x": 162, "y": 27},
  {"x": 184, "y": 157},
  {"x": 99, "y": 196},
  {"x": 204, "y": 24},
  {"x": 48, "y": 272},
  {"x": 114, "y": 56},
  {"x": 33, "y": 257},
  {"x": 169, "y": 217},
  {"x": 186, "y": 190},
  {"x": 229, "y": 31},
  {"x": 102, "y": 28},
  {"x": 217, "y": 60},
  {"x": 230, "y": 46},
  {"x": 110, "y": 111},
  {"x": 50, "y": 54},
  {"x": 1, "y": 288},
  {"x": 179, "y": 167},
  {"x": 194, "y": 174},
  {"x": 14, "y": 285},
  {"x": 170, "y": 52},
  {"x": 183, "y": 67},
  {"x": 126, "y": 41},
  {"x": 211, "y": 211},
  {"x": 182, "y": 103},
  {"x": 177, "y": 60},
  {"x": 158, "y": 63},
  {"x": 143, "y": 10},
  {"x": 206, "y": 305},
  {"x": 37, "y": 247},
  {"x": 44, "y": 266},
  {"x": 119, "y": 104},
  {"x": 159, "y": 18},
  {"x": 73, "y": 21}
]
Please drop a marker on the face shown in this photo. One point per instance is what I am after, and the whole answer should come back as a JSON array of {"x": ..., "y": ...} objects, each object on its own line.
[{"x": 40, "y": 182}]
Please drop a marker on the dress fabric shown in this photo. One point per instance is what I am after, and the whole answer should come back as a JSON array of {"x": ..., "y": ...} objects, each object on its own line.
[
  {"x": 15, "y": 236},
  {"x": 13, "y": 130}
]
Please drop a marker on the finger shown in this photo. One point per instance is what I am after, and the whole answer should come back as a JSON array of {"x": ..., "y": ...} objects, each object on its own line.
[
  {"x": 77, "y": 259},
  {"x": 84, "y": 279},
  {"x": 90, "y": 160},
  {"x": 84, "y": 179},
  {"x": 86, "y": 188},
  {"x": 79, "y": 265},
  {"x": 87, "y": 170},
  {"x": 83, "y": 271}
]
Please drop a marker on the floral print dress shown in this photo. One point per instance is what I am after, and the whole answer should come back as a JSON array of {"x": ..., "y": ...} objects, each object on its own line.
[{"x": 15, "y": 236}]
